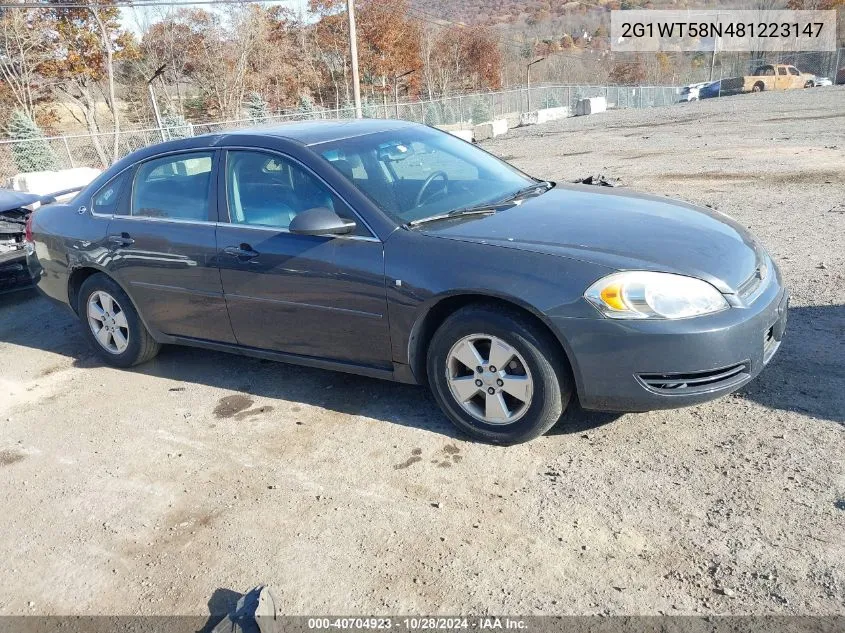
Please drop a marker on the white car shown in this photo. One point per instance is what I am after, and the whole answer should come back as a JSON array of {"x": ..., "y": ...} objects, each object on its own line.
[{"x": 821, "y": 81}]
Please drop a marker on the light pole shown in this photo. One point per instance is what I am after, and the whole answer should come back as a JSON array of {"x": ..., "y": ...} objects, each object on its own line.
[
  {"x": 715, "y": 50},
  {"x": 396, "y": 89},
  {"x": 157, "y": 114},
  {"x": 353, "y": 53},
  {"x": 528, "y": 78}
]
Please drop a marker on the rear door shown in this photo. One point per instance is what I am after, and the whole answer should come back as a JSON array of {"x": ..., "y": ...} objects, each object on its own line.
[
  {"x": 315, "y": 296},
  {"x": 163, "y": 246}
]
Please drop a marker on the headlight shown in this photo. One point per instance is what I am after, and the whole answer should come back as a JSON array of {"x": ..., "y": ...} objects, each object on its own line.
[{"x": 648, "y": 295}]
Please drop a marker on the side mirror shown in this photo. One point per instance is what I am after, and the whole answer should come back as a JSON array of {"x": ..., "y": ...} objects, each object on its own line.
[{"x": 320, "y": 221}]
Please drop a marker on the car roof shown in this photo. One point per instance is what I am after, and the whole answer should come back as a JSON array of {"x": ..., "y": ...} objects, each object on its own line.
[
  {"x": 323, "y": 131},
  {"x": 302, "y": 132}
]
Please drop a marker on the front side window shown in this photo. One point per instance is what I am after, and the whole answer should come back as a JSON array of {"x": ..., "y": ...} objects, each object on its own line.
[
  {"x": 174, "y": 187},
  {"x": 415, "y": 173},
  {"x": 793, "y": 70},
  {"x": 781, "y": 71},
  {"x": 267, "y": 190}
]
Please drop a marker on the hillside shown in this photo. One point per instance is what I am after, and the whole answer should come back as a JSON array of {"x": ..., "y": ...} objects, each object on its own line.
[{"x": 522, "y": 14}]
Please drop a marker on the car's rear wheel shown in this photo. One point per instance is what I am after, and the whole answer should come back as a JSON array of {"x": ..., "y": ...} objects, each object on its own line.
[
  {"x": 112, "y": 324},
  {"x": 497, "y": 375},
  {"x": 758, "y": 87}
]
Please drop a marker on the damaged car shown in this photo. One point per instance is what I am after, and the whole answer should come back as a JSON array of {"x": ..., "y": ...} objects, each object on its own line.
[
  {"x": 397, "y": 251},
  {"x": 15, "y": 207}
]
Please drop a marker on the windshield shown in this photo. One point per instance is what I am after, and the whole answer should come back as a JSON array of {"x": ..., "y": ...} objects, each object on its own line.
[{"x": 417, "y": 173}]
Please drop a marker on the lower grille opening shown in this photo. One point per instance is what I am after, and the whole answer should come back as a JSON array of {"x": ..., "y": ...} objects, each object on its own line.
[{"x": 696, "y": 382}]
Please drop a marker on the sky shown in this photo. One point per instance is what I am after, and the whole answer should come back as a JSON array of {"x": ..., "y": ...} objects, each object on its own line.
[{"x": 137, "y": 19}]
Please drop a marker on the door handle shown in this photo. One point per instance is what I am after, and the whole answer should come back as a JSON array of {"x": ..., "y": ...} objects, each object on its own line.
[
  {"x": 243, "y": 252},
  {"x": 121, "y": 240}
]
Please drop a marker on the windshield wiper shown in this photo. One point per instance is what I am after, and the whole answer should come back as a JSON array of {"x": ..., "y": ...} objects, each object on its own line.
[
  {"x": 545, "y": 184},
  {"x": 486, "y": 209}
]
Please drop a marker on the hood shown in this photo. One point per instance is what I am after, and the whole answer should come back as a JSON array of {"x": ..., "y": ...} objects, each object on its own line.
[
  {"x": 10, "y": 199},
  {"x": 619, "y": 229}
]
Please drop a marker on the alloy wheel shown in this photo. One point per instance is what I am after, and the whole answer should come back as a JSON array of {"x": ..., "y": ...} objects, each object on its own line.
[
  {"x": 108, "y": 322},
  {"x": 489, "y": 379}
]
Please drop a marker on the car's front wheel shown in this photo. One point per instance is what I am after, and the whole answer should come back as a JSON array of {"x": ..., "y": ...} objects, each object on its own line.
[
  {"x": 497, "y": 375},
  {"x": 111, "y": 323}
]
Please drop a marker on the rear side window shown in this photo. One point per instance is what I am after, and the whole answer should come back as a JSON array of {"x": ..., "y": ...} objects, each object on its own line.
[
  {"x": 781, "y": 71},
  {"x": 109, "y": 200},
  {"x": 174, "y": 187}
]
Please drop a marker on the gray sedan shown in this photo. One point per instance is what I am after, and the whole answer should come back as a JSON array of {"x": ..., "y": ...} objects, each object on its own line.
[{"x": 397, "y": 251}]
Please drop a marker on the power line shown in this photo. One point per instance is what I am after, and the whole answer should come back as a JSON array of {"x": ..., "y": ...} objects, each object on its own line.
[{"x": 125, "y": 4}]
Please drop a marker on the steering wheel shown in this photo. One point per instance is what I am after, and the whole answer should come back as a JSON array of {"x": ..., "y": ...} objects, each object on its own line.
[{"x": 437, "y": 174}]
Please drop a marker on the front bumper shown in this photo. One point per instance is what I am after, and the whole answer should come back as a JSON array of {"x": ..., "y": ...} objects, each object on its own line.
[
  {"x": 645, "y": 365},
  {"x": 14, "y": 274}
]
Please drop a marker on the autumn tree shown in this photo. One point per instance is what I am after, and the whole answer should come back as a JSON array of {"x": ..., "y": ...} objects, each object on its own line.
[
  {"x": 282, "y": 64},
  {"x": 331, "y": 38},
  {"x": 467, "y": 58},
  {"x": 165, "y": 45},
  {"x": 24, "y": 48},
  {"x": 628, "y": 73},
  {"x": 389, "y": 43},
  {"x": 86, "y": 42}
]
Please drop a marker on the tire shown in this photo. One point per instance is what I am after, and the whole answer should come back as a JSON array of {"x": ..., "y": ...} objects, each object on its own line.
[
  {"x": 535, "y": 353},
  {"x": 758, "y": 87},
  {"x": 121, "y": 317}
]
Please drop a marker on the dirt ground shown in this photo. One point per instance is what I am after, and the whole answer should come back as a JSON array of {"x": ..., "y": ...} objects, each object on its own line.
[{"x": 171, "y": 488}]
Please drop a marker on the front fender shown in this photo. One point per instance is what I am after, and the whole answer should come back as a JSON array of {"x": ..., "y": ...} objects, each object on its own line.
[{"x": 427, "y": 277}]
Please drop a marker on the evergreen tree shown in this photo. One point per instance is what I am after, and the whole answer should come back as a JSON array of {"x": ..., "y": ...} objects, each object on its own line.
[
  {"x": 347, "y": 110},
  {"x": 480, "y": 111},
  {"x": 432, "y": 114},
  {"x": 369, "y": 110},
  {"x": 306, "y": 104},
  {"x": 550, "y": 101},
  {"x": 307, "y": 109},
  {"x": 32, "y": 152},
  {"x": 256, "y": 108}
]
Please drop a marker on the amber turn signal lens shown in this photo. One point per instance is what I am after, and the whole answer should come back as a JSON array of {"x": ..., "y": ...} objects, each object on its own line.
[{"x": 612, "y": 296}]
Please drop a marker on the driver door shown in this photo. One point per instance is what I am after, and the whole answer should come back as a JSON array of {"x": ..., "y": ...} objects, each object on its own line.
[
  {"x": 313, "y": 296},
  {"x": 782, "y": 80}
]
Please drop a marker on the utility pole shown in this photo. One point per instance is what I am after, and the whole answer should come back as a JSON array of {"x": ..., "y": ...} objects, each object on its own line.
[
  {"x": 528, "y": 78},
  {"x": 353, "y": 53}
]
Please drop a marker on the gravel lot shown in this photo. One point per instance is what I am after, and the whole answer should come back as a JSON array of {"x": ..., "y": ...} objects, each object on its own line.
[{"x": 168, "y": 488}]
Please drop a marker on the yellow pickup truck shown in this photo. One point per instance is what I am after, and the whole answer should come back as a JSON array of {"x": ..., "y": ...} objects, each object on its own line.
[{"x": 770, "y": 77}]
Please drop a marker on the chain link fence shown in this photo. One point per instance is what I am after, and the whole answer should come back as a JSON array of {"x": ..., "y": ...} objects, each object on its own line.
[{"x": 84, "y": 150}]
